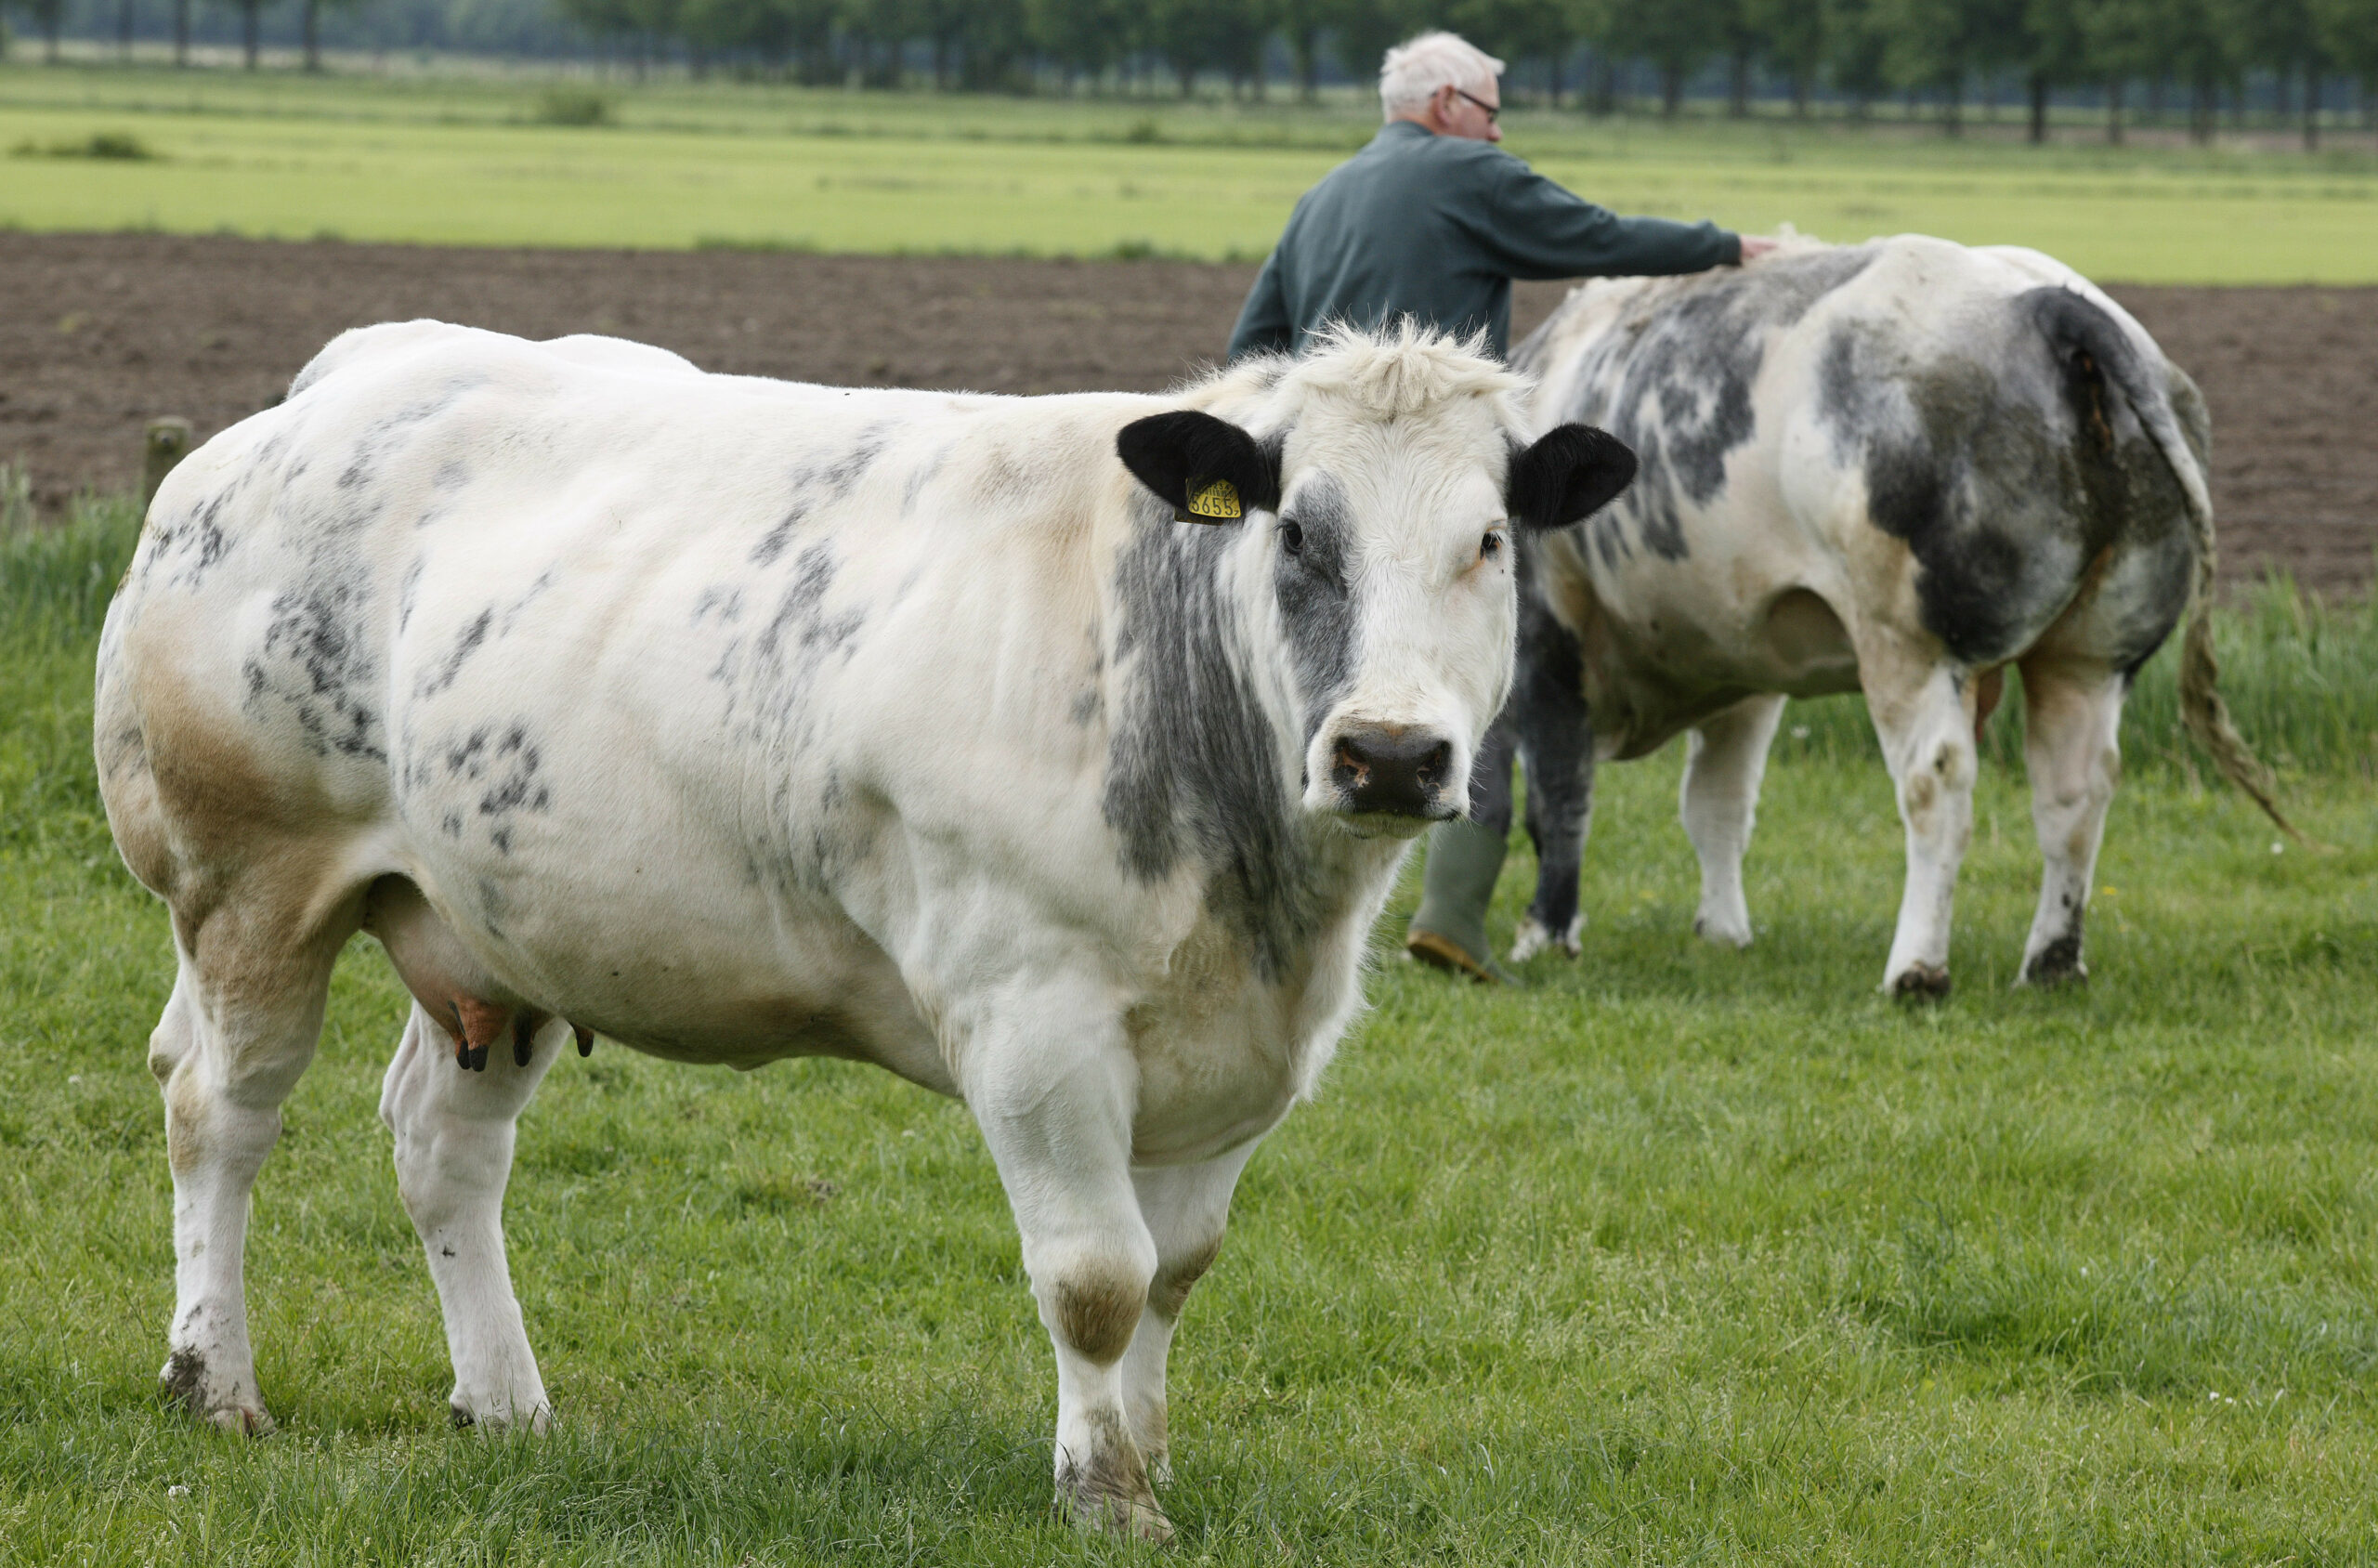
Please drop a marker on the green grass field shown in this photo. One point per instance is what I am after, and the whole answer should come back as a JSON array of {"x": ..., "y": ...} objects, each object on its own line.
[
  {"x": 463, "y": 160},
  {"x": 1677, "y": 1255}
]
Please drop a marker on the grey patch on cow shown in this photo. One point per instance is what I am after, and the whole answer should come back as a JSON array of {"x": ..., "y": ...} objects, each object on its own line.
[
  {"x": 194, "y": 542},
  {"x": 1316, "y": 600},
  {"x": 315, "y": 659},
  {"x": 722, "y": 602},
  {"x": 467, "y": 642},
  {"x": 1190, "y": 766},
  {"x": 386, "y": 436},
  {"x": 918, "y": 477},
  {"x": 1675, "y": 385},
  {"x": 1087, "y": 706},
  {"x": 821, "y": 482},
  {"x": 408, "y": 593},
  {"x": 2007, "y": 468}
]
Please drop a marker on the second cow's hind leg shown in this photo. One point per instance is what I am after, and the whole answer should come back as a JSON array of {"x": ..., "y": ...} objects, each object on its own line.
[
  {"x": 1186, "y": 1208},
  {"x": 1924, "y": 713},
  {"x": 454, "y": 1135},
  {"x": 2072, "y": 749},
  {"x": 1725, "y": 760}
]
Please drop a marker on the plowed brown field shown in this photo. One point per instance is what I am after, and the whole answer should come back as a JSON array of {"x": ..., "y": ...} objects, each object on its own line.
[{"x": 101, "y": 332}]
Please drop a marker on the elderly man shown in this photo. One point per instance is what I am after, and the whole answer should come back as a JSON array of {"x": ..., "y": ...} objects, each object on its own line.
[{"x": 1432, "y": 221}]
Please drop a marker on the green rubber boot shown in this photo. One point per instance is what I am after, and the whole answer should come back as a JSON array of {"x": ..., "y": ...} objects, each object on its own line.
[{"x": 1449, "y": 929}]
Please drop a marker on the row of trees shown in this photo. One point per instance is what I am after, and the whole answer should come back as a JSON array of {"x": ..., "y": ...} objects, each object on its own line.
[
  {"x": 1857, "y": 50},
  {"x": 1852, "y": 51}
]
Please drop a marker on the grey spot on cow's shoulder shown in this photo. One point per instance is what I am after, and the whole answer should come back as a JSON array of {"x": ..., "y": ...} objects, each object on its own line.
[
  {"x": 821, "y": 481},
  {"x": 467, "y": 642}
]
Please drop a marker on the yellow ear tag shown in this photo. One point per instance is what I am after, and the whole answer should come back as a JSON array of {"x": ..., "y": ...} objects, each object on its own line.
[{"x": 1217, "y": 500}]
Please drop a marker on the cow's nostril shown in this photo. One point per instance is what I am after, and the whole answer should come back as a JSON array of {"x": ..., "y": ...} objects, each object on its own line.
[{"x": 1434, "y": 763}]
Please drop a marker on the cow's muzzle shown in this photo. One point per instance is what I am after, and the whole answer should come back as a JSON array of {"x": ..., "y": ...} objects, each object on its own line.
[{"x": 1394, "y": 771}]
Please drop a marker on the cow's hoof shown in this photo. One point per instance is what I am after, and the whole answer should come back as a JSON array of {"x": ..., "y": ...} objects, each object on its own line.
[
  {"x": 184, "y": 1381},
  {"x": 1135, "y": 1518},
  {"x": 1727, "y": 930},
  {"x": 2058, "y": 963},
  {"x": 501, "y": 1417},
  {"x": 1921, "y": 982},
  {"x": 1533, "y": 938}
]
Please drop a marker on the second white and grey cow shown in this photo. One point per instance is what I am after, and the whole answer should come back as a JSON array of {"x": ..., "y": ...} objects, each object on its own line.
[
  {"x": 1895, "y": 468},
  {"x": 1055, "y": 753}
]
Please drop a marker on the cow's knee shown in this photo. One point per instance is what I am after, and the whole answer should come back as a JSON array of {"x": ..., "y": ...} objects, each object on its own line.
[{"x": 1093, "y": 1301}]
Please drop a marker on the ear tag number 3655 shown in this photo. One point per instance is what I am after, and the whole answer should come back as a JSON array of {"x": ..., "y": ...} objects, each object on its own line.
[{"x": 1219, "y": 499}]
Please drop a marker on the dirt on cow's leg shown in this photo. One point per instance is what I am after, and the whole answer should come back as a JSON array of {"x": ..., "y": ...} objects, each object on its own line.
[
  {"x": 2071, "y": 747},
  {"x": 454, "y": 1138},
  {"x": 1924, "y": 713},
  {"x": 1725, "y": 761}
]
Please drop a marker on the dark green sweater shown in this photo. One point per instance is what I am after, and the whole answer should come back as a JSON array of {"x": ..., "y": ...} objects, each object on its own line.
[{"x": 1436, "y": 227}]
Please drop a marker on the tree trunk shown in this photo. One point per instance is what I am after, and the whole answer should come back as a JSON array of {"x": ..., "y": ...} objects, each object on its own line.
[
  {"x": 1671, "y": 90},
  {"x": 181, "y": 33},
  {"x": 1603, "y": 100},
  {"x": 1952, "y": 109},
  {"x": 124, "y": 30},
  {"x": 250, "y": 16},
  {"x": 1738, "y": 85},
  {"x": 1800, "y": 92},
  {"x": 2113, "y": 111},
  {"x": 56, "y": 19},
  {"x": 313, "y": 35},
  {"x": 2311, "y": 107},
  {"x": 2039, "y": 108},
  {"x": 1305, "y": 43}
]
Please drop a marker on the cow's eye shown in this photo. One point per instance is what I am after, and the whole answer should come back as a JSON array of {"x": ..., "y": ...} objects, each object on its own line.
[
  {"x": 1292, "y": 537},
  {"x": 1492, "y": 545}
]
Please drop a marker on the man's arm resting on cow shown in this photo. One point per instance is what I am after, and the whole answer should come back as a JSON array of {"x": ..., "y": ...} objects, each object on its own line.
[
  {"x": 1263, "y": 325},
  {"x": 1538, "y": 228}
]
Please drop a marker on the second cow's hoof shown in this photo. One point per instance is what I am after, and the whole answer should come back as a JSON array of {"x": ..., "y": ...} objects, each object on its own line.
[
  {"x": 1131, "y": 1516},
  {"x": 1533, "y": 938},
  {"x": 1921, "y": 982},
  {"x": 185, "y": 1382},
  {"x": 2058, "y": 963}
]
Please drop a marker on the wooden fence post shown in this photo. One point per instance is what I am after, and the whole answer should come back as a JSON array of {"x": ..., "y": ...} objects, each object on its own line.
[{"x": 166, "y": 443}]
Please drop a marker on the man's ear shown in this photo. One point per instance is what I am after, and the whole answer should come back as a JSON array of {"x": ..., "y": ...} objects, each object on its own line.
[
  {"x": 1207, "y": 470},
  {"x": 1570, "y": 473}
]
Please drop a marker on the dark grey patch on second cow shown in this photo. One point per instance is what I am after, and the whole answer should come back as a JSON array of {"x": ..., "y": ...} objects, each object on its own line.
[
  {"x": 1675, "y": 385},
  {"x": 1190, "y": 770}
]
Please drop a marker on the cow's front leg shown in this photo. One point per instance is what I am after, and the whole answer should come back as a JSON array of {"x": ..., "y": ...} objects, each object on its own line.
[
  {"x": 454, "y": 1133},
  {"x": 1725, "y": 761},
  {"x": 1924, "y": 713},
  {"x": 1186, "y": 1208},
  {"x": 1054, "y": 1086},
  {"x": 2071, "y": 748}
]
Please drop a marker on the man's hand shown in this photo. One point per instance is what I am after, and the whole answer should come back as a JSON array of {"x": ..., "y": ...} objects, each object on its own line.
[{"x": 1757, "y": 245}]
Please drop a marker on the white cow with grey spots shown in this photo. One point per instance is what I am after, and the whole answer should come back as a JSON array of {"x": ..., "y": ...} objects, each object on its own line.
[
  {"x": 1055, "y": 753},
  {"x": 1895, "y": 468}
]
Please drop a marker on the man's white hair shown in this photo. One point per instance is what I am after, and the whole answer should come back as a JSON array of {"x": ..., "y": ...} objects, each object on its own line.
[{"x": 1414, "y": 70}]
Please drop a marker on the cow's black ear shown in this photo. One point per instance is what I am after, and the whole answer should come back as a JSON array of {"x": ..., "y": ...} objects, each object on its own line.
[
  {"x": 1207, "y": 470},
  {"x": 1571, "y": 472}
]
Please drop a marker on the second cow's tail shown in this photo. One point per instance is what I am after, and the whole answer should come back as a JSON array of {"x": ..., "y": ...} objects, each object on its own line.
[{"x": 2075, "y": 325}]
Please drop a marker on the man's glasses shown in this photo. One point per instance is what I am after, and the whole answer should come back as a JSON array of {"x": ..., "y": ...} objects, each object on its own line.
[{"x": 1494, "y": 112}]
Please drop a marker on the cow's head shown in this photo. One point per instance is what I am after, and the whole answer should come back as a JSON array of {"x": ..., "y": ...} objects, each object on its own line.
[{"x": 1374, "y": 487}]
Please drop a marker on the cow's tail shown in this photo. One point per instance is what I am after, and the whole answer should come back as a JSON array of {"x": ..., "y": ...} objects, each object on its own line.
[{"x": 2076, "y": 325}]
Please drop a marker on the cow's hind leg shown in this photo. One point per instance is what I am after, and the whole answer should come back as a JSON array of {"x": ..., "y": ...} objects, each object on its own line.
[
  {"x": 1924, "y": 712},
  {"x": 1186, "y": 1208},
  {"x": 2071, "y": 748},
  {"x": 1556, "y": 743},
  {"x": 237, "y": 1032},
  {"x": 454, "y": 1134},
  {"x": 1725, "y": 760}
]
